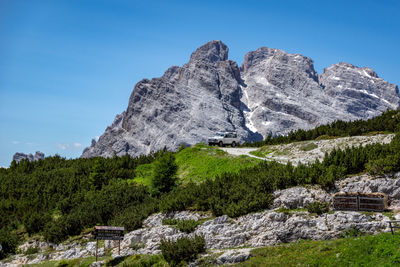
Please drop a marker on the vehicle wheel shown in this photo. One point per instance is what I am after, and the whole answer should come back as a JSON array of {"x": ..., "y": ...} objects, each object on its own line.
[
  {"x": 233, "y": 144},
  {"x": 221, "y": 144}
]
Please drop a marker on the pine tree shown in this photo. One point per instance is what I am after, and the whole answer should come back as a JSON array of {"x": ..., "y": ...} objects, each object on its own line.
[
  {"x": 164, "y": 174},
  {"x": 96, "y": 176}
]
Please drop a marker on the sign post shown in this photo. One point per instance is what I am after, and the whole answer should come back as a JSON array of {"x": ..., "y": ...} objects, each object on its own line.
[{"x": 109, "y": 233}]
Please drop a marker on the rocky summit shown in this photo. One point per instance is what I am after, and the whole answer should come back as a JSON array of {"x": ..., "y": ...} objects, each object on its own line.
[
  {"x": 21, "y": 156},
  {"x": 272, "y": 92}
]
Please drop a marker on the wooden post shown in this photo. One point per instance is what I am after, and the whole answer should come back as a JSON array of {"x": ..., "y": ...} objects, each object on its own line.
[
  {"x": 97, "y": 244},
  {"x": 119, "y": 247}
]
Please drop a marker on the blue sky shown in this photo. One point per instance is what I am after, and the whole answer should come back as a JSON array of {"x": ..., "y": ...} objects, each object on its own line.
[{"x": 68, "y": 67}]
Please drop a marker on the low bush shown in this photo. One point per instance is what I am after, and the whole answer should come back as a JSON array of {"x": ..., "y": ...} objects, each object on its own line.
[
  {"x": 182, "y": 250},
  {"x": 31, "y": 250},
  {"x": 186, "y": 226},
  {"x": 8, "y": 242},
  {"x": 34, "y": 222},
  {"x": 318, "y": 207},
  {"x": 352, "y": 232}
]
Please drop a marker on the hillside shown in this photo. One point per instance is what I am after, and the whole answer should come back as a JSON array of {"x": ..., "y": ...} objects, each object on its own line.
[
  {"x": 232, "y": 201},
  {"x": 199, "y": 162},
  {"x": 306, "y": 152}
]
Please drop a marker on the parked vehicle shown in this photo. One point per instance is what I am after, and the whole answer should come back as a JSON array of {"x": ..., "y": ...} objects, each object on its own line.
[{"x": 224, "y": 138}]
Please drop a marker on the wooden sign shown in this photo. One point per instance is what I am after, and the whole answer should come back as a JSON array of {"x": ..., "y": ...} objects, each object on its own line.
[
  {"x": 108, "y": 233},
  {"x": 360, "y": 201}
]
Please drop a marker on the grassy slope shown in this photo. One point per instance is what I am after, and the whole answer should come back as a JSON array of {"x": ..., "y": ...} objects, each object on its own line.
[
  {"x": 200, "y": 162},
  {"x": 379, "y": 250}
]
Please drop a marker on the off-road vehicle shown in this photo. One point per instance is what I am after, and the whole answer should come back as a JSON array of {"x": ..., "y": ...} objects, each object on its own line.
[{"x": 224, "y": 138}]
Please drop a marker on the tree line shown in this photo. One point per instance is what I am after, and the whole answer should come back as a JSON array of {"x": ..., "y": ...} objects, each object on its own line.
[{"x": 389, "y": 121}]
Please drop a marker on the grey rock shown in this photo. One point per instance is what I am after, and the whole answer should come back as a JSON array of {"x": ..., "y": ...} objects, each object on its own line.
[
  {"x": 186, "y": 105},
  {"x": 42, "y": 246},
  {"x": 91, "y": 247},
  {"x": 21, "y": 156},
  {"x": 359, "y": 91},
  {"x": 273, "y": 92},
  {"x": 234, "y": 256},
  {"x": 299, "y": 197},
  {"x": 98, "y": 263}
]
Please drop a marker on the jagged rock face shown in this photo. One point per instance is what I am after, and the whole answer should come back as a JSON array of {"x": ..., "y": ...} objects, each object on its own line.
[
  {"x": 186, "y": 105},
  {"x": 21, "y": 156},
  {"x": 359, "y": 91},
  {"x": 273, "y": 92}
]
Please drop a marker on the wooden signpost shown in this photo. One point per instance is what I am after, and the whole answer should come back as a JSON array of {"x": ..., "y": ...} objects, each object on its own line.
[{"x": 108, "y": 233}]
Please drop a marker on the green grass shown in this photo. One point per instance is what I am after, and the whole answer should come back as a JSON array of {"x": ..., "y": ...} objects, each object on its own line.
[
  {"x": 143, "y": 174},
  {"x": 201, "y": 162},
  {"x": 308, "y": 147},
  {"x": 81, "y": 262},
  {"x": 325, "y": 137},
  {"x": 198, "y": 163},
  {"x": 367, "y": 250},
  {"x": 262, "y": 152},
  {"x": 140, "y": 261},
  {"x": 376, "y": 133}
]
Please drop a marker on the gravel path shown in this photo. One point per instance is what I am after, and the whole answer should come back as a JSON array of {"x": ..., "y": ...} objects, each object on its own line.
[{"x": 240, "y": 151}]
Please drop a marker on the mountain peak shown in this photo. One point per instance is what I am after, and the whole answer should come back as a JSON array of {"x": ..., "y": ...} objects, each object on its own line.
[
  {"x": 274, "y": 92},
  {"x": 212, "y": 51}
]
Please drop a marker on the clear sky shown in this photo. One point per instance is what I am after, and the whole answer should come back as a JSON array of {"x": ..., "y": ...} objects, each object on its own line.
[{"x": 68, "y": 67}]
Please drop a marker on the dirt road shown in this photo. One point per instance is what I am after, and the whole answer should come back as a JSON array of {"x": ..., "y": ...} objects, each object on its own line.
[{"x": 235, "y": 151}]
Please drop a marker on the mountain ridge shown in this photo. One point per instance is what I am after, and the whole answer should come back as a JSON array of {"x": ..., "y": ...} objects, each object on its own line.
[{"x": 273, "y": 92}]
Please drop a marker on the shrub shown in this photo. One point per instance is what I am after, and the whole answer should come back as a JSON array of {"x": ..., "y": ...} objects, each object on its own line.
[
  {"x": 34, "y": 222},
  {"x": 8, "y": 241},
  {"x": 31, "y": 250},
  {"x": 186, "y": 226},
  {"x": 181, "y": 147},
  {"x": 352, "y": 232},
  {"x": 318, "y": 208},
  {"x": 182, "y": 250},
  {"x": 132, "y": 217},
  {"x": 64, "y": 263}
]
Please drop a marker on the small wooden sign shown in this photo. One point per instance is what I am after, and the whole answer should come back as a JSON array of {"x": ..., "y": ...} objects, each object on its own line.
[{"x": 108, "y": 233}]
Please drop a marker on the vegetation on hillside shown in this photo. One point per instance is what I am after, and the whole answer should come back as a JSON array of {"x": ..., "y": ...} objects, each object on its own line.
[
  {"x": 388, "y": 122},
  {"x": 379, "y": 250},
  {"x": 57, "y": 198}
]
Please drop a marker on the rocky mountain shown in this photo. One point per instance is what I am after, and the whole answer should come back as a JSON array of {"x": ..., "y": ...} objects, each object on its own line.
[
  {"x": 21, "y": 156},
  {"x": 272, "y": 92}
]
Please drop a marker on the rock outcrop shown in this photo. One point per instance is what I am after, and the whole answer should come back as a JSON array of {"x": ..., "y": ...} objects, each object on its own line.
[
  {"x": 185, "y": 105},
  {"x": 272, "y": 92},
  {"x": 21, "y": 156}
]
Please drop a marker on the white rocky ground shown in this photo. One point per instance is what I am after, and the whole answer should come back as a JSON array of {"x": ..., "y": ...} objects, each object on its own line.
[
  {"x": 225, "y": 237},
  {"x": 308, "y": 151}
]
